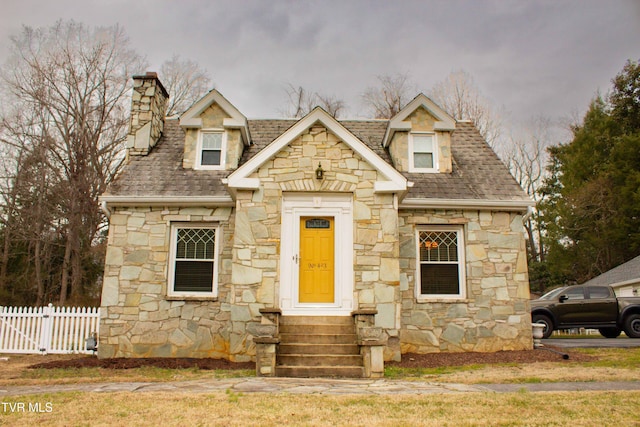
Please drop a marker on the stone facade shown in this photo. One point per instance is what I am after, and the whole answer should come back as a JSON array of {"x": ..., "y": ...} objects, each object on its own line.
[
  {"x": 495, "y": 313},
  {"x": 148, "y": 105},
  {"x": 213, "y": 118},
  {"x": 142, "y": 318},
  {"x": 421, "y": 121}
]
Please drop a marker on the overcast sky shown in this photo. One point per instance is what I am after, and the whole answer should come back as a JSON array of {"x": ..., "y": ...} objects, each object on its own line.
[{"x": 528, "y": 57}]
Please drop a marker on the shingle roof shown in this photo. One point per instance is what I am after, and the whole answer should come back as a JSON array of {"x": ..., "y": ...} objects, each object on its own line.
[
  {"x": 626, "y": 272},
  {"x": 477, "y": 173},
  {"x": 160, "y": 173}
]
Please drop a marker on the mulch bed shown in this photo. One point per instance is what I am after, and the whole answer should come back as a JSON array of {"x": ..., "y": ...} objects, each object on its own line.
[
  {"x": 436, "y": 360},
  {"x": 409, "y": 360},
  {"x": 158, "y": 362}
]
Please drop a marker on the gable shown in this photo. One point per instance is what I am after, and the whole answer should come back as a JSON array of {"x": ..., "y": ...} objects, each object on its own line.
[
  {"x": 197, "y": 116},
  {"x": 441, "y": 121},
  {"x": 392, "y": 182}
]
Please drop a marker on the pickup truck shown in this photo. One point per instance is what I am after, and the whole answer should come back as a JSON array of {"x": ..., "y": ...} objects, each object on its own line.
[{"x": 592, "y": 307}]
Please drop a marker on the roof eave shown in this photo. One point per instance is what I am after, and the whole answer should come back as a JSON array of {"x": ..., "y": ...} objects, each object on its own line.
[
  {"x": 476, "y": 204},
  {"x": 169, "y": 201}
]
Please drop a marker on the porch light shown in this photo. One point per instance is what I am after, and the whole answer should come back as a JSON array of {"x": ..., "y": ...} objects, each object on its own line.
[{"x": 319, "y": 172}]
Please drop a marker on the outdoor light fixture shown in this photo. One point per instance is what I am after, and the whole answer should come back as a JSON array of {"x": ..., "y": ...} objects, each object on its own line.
[{"x": 319, "y": 172}]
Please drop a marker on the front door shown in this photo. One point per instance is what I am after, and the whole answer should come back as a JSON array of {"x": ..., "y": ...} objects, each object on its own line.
[{"x": 316, "y": 275}]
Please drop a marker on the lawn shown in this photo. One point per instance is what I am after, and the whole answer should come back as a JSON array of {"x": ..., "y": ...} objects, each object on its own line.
[{"x": 232, "y": 408}]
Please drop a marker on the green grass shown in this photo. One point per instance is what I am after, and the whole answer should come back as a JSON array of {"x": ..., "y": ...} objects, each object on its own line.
[
  {"x": 612, "y": 357},
  {"x": 396, "y": 372}
]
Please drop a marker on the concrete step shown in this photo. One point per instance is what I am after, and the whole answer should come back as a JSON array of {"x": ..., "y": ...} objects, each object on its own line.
[
  {"x": 334, "y": 360},
  {"x": 316, "y": 320},
  {"x": 317, "y": 338},
  {"x": 285, "y": 348},
  {"x": 320, "y": 371},
  {"x": 318, "y": 329}
]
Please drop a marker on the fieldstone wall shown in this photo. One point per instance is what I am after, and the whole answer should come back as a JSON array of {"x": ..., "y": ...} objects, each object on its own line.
[
  {"x": 137, "y": 317},
  {"x": 148, "y": 106},
  {"x": 495, "y": 314},
  {"x": 256, "y": 254},
  {"x": 421, "y": 121},
  {"x": 140, "y": 320},
  {"x": 213, "y": 118}
]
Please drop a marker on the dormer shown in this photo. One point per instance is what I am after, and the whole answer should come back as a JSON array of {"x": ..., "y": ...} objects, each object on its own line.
[
  {"x": 419, "y": 137},
  {"x": 216, "y": 134}
]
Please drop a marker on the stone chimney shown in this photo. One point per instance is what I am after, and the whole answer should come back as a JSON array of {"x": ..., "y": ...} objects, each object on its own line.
[{"x": 148, "y": 106}]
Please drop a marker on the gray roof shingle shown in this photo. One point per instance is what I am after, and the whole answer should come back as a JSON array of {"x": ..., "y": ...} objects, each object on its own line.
[
  {"x": 477, "y": 172},
  {"x": 626, "y": 272}
]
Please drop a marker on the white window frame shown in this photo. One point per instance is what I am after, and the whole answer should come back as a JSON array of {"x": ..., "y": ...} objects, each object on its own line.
[
  {"x": 223, "y": 150},
  {"x": 462, "y": 280},
  {"x": 172, "y": 260},
  {"x": 434, "y": 138}
]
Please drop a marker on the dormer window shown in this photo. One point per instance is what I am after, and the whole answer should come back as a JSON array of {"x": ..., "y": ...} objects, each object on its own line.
[
  {"x": 211, "y": 147},
  {"x": 423, "y": 152}
]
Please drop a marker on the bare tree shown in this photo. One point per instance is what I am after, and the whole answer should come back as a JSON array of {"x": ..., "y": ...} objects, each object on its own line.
[
  {"x": 331, "y": 104},
  {"x": 185, "y": 82},
  {"x": 301, "y": 102},
  {"x": 526, "y": 156},
  {"x": 74, "y": 81},
  {"x": 458, "y": 95},
  {"x": 392, "y": 94}
]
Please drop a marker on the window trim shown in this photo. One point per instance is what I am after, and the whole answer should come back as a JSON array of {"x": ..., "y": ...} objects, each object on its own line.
[
  {"x": 462, "y": 278},
  {"x": 172, "y": 260},
  {"x": 435, "y": 167},
  {"x": 223, "y": 149}
]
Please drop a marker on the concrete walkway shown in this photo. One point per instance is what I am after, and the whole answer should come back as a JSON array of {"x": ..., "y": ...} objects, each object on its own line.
[{"x": 314, "y": 386}]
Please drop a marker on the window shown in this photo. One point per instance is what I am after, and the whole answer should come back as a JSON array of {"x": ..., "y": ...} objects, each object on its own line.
[
  {"x": 194, "y": 261},
  {"x": 211, "y": 149},
  {"x": 599, "y": 292},
  {"x": 574, "y": 293},
  {"x": 423, "y": 152},
  {"x": 440, "y": 271}
]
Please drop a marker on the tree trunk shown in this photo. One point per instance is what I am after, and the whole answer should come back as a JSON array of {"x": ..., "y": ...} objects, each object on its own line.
[
  {"x": 39, "y": 280},
  {"x": 64, "y": 282},
  {"x": 5, "y": 259}
]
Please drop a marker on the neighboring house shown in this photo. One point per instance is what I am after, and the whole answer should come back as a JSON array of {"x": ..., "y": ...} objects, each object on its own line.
[
  {"x": 409, "y": 228},
  {"x": 624, "y": 279}
]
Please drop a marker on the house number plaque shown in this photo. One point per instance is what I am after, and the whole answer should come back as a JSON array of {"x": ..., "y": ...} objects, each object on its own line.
[{"x": 317, "y": 223}]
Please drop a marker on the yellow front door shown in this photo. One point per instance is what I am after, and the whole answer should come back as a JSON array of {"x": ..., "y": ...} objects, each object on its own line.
[{"x": 316, "y": 260}]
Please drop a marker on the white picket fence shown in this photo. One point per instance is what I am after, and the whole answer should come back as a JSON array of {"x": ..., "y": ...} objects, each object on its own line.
[{"x": 47, "y": 329}]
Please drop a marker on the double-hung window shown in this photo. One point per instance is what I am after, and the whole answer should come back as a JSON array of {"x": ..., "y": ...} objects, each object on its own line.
[
  {"x": 423, "y": 152},
  {"x": 440, "y": 263},
  {"x": 211, "y": 149},
  {"x": 194, "y": 260}
]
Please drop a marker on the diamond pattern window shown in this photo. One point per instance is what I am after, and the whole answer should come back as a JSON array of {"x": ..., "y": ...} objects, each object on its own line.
[
  {"x": 194, "y": 261},
  {"x": 440, "y": 267}
]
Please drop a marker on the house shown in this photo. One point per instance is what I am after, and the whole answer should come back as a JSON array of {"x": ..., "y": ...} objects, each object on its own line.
[
  {"x": 233, "y": 238},
  {"x": 624, "y": 279}
]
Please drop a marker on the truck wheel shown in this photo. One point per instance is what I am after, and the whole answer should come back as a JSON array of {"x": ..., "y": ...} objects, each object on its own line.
[
  {"x": 548, "y": 324},
  {"x": 632, "y": 326},
  {"x": 609, "y": 332}
]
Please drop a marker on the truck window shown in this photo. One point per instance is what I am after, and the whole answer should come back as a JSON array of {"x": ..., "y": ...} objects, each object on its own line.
[
  {"x": 574, "y": 293},
  {"x": 599, "y": 292}
]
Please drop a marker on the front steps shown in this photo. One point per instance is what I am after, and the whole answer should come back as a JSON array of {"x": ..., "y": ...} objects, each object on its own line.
[{"x": 318, "y": 346}]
